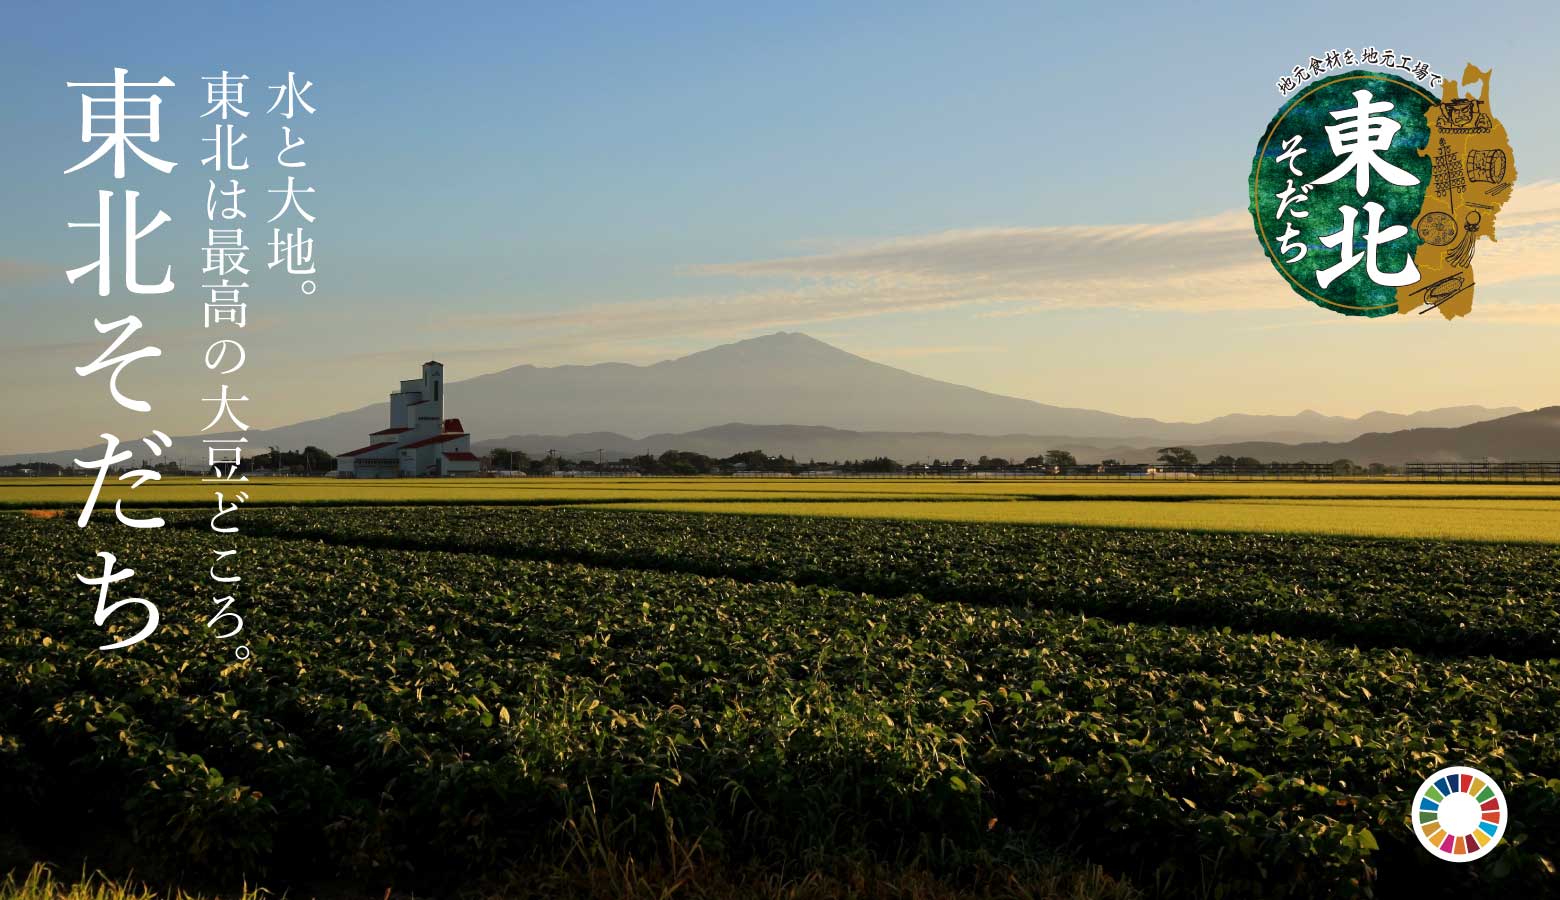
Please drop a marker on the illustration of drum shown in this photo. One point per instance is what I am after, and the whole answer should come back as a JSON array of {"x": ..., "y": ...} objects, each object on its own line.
[{"x": 1487, "y": 165}]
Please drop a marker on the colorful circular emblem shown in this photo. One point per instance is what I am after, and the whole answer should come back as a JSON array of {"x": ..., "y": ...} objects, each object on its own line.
[
  {"x": 1459, "y": 814},
  {"x": 1369, "y": 192}
]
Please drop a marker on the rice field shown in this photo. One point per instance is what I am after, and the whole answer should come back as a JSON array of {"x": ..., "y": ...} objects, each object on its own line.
[{"x": 1375, "y": 508}]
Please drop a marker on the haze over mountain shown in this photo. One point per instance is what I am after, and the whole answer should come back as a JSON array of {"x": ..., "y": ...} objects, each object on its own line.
[
  {"x": 794, "y": 379},
  {"x": 1528, "y": 436},
  {"x": 791, "y": 379},
  {"x": 1524, "y": 436},
  {"x": 812, "y": 442}
]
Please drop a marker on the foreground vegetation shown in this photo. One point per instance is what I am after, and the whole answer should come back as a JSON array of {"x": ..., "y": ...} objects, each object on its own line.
[
  {"x": 42, "y": 883},
  {"x": 1481, "y": 520},
  {"x": 594, "y": 873},
  {"x": 437, "y": 692}
]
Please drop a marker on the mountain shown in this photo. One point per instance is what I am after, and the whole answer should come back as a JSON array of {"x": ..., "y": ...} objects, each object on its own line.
[
  {"x": 793, "y": 379},
  {"x": 1524, "y": 436},
  {"x": 772, "y": 380},
  {"x": 1528, "y": 436},
  {"x": 789, "y": 379},
  {"x": 805, "y": 442},
  {"x": 1310, "y": 425}
]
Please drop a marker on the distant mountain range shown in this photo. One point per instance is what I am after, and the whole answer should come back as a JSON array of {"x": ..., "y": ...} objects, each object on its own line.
[
  {"x": 1523, "y": 436},
  {"x": 806, "y": 398},
  {"x": 809, "y": 442},
  {"x": 793, "y": 379}
]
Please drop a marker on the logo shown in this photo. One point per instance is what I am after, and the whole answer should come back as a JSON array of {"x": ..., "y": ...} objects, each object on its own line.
[
  {"x": 1370, "y": 191},
  {"x": 1459, "y": 814}
]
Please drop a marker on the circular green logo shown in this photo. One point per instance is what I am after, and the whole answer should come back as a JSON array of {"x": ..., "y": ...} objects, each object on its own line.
[{"x": 1339, "y": 182}]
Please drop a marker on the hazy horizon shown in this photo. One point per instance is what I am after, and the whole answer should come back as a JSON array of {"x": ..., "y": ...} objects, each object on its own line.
[
  {"x": 793, "y": 364},
  {"x": 573, "y": 186}
]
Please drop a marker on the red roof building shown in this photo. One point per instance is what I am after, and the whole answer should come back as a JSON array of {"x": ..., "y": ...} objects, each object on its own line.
[
  {"x": 419, "y": 440},
  {"x": 436, "y": 439}
]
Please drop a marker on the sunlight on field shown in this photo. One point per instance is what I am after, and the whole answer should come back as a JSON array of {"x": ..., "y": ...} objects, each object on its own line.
[
  {"x": 1506, "y": 512},
  {"x": 1483, "y": 520},
  {"x": 65, "y": 492}
]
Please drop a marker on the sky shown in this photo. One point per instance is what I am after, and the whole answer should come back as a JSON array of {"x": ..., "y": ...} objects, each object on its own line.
[{"x": 1041, "y": 200}]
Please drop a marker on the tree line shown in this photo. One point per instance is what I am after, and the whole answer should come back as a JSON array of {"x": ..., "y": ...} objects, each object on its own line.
[{"x": 313, "y": 460}]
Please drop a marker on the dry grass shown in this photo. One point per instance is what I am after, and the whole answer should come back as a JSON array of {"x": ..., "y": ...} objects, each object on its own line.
[
  {"x": 607, "y": 876},
  {"x": 40, "y": 883}
]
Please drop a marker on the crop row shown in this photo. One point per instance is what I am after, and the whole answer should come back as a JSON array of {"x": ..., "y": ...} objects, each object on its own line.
[
  {"x": 430, "y": 709},
  {"x": 1430, "y": 596}
]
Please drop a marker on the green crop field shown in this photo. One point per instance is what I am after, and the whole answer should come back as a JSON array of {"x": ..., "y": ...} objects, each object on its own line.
[
  {"x": 801, "y": 703},
  {"x": 1484, "y": 520}
]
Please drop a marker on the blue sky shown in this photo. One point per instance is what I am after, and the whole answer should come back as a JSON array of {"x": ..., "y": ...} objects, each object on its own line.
[{"x": 528, "y": 183}]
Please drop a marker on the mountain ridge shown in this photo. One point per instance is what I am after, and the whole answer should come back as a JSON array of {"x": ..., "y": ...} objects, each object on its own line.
[
  {"x": 792, "y": 379},
  {"x": 1526, "y": 436}
]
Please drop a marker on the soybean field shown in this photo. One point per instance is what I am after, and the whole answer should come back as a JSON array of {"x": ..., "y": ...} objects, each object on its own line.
[{"x": 796, "y": 703}]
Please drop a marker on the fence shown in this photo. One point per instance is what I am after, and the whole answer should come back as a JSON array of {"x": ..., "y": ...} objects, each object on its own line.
[
  {"x": 1491, "y": 472},
  {"x": 1483, "y": 471},
  {"x": 1277, "y": 472}
]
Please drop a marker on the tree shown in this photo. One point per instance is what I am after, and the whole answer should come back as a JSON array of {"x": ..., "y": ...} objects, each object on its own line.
[
  {"x": 879, "y": 464},
  {"x": 1111, "y": 462},
  {"x": 752, "y": 460},
  {"x": 317, "y": 460},
  {"x": 1060, "y": 459},
  {"x": 685, "y": 462},
  {"x": 1247, "y": 462},
  {"x": 310, "y": 459},
  {"x": 504, "y": 458},
  {"x": 759, "y": 461},
  {"x": 1224, "y": 461},
  {"x": 1177, "y": 456}
]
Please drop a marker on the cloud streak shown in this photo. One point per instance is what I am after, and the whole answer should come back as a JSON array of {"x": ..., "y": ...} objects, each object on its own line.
[{"x": 1194, "y": 266}]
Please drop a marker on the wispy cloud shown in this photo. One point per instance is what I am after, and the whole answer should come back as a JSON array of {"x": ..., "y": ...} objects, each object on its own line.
[
  {"x": 1518, "y": 313},
  {"x": 1204, "y": 263},
  {"x": 1199, "y": 265},
  {"x": 1527, "y": 241}
]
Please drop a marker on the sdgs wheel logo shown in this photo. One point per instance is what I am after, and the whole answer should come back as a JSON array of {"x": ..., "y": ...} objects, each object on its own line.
[
  {"x": 1459, "y": 814},
  {"x": 1371, "y": 190}
]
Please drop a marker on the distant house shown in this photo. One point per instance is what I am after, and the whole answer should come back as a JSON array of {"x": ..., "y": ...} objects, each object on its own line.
[{"x": 419, "y": 441}]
